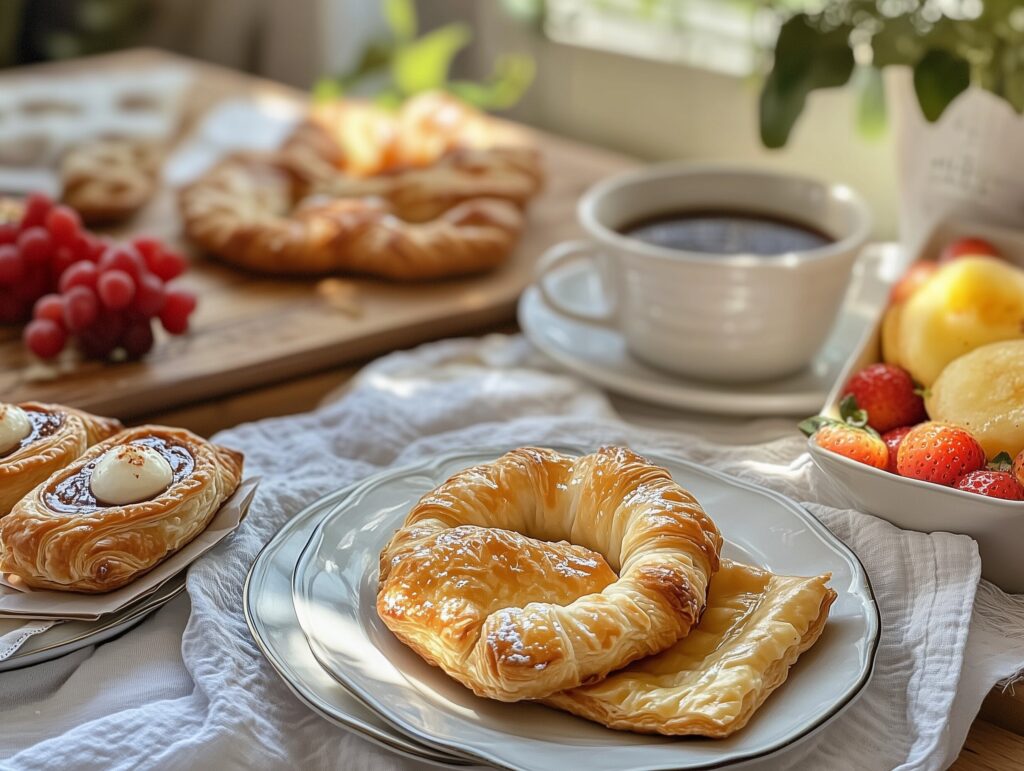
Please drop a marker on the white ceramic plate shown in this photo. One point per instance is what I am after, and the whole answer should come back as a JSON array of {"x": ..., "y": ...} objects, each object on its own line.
[
  {"x": 599, "y": 354},
  {"x": 62, "y": 639},
  {"x": 267, "y": 600},
  {"x": 334, "y": 590}
]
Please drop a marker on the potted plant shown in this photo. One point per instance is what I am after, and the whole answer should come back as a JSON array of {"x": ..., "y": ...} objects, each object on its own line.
[{"x": 957, "y": 97}]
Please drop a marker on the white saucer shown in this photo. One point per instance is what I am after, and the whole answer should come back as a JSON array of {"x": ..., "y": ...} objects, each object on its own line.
[
  {"x": 334, "y": 591},
  {"x": 599, "y": 354}
]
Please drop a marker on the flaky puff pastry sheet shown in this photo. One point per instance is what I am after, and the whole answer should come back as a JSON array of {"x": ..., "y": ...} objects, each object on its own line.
[
  {"x": 27, "y": 467},
  {"x": 712, "y": 681},
  {"x": 101, "y": 549},
  {"x": 510, "y": 616}
]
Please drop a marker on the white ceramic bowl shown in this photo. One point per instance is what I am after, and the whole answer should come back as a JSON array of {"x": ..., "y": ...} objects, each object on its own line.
[{"x": 997, "y": 525}]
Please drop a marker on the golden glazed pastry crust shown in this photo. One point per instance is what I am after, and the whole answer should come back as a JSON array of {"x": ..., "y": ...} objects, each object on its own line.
[
  {"x": 712, "y": 681},
  {"x": 363, "y": 139},
  {"x": 479, "y": 579},
  {"x": 23, "y": 469},
  {"x": 355, "y": 189},
  {"x": 461, "y": 216},
  {"x": 102, "y": 548},
  {"x": 418, "y": 195}
]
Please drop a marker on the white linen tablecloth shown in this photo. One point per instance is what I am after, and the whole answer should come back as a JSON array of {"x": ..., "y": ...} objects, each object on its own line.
[{"x": 189, "y": 689}]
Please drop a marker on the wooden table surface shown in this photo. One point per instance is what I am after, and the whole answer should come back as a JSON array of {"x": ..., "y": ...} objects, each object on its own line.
[
  {"x": 250, "y": 331},
  {"x": 996, "y": 739}
]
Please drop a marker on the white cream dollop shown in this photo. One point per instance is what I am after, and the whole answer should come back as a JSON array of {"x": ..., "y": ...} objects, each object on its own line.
[
  {"x": 14, "y": 426},
  {"x": 130, "y": 473}
]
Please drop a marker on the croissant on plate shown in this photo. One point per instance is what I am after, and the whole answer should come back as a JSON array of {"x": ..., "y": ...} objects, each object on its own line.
[
  {"x": 482, "y": 579},
  {"x": 594, "y": 584}
]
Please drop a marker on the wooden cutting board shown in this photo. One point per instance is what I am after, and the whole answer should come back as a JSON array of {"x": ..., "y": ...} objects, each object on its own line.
[{"x": 250, "y": 331}]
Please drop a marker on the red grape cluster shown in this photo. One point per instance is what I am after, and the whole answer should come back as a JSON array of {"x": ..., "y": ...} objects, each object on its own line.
[{"x": 74, "y": 283}]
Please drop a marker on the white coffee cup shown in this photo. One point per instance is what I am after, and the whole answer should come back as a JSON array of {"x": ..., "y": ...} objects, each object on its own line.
[{"x": 730, "y": 318}]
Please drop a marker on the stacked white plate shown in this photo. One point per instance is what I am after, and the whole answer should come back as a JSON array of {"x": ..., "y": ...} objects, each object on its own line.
[
  {"x": 69, "y": 636},
  {"x": 79, "y": 620},
  {"x": 310, "y": 604}
]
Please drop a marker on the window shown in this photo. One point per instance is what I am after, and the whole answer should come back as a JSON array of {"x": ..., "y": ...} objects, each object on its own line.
[{"x": 725, "y": 35}]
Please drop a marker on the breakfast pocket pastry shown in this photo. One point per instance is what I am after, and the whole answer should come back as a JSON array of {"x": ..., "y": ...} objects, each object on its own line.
[
  {"x": 505, "y": 575},
  {"x": 118, "y": 511},
  {"x": 712, "y": 681},
  {"x": 37, "y": 440}
]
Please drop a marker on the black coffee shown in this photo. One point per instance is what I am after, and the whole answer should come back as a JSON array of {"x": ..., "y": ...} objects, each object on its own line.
[{"x": 726, "y": 232}]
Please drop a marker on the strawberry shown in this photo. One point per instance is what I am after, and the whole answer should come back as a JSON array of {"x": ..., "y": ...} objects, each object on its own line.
[
  {"x": 912, "y": 280},
  {"x": 1018, "y": 467},
  {"x": 939, "y": 452},
  {"x": 968, "y": 247},
  {"x": 887, "y": 394},
  {"x": 893, "y": 439},
  {"x": 994, "y": 484},
  {"x": 859, "y": 444}
]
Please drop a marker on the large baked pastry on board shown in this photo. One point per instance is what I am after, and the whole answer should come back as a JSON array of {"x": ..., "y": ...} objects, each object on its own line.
[{"x": 429, "y": 192}]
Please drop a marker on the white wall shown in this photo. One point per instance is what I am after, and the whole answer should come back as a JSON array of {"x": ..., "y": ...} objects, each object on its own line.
[{"x": 293, "y": 41}]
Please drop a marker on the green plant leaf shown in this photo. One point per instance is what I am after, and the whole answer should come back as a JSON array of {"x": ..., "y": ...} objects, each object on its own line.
[
  {"x": 806, "y": 59},
  {"x": 647, "y": 8},
  {"x": 779, "y": 108},
  {"x": 389, "y": 98},
  {"x": 1013, "y": 78},
  {"x": 948, "y": 52},
  {"x": 375, "y": 57},
  {"x": 476, "y": 94},
  {"x": 871, "y": 112},
  {"x": 401, "y": 18},
  {"x": 1013, "y": 90},
  {"x": 939, "y": 78},
  {"x": 372, "y": 69},
  {"x": 512, "y": 75},
  {"x": 423, "y": 64},
  {"x": 327, "y": 90}
]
